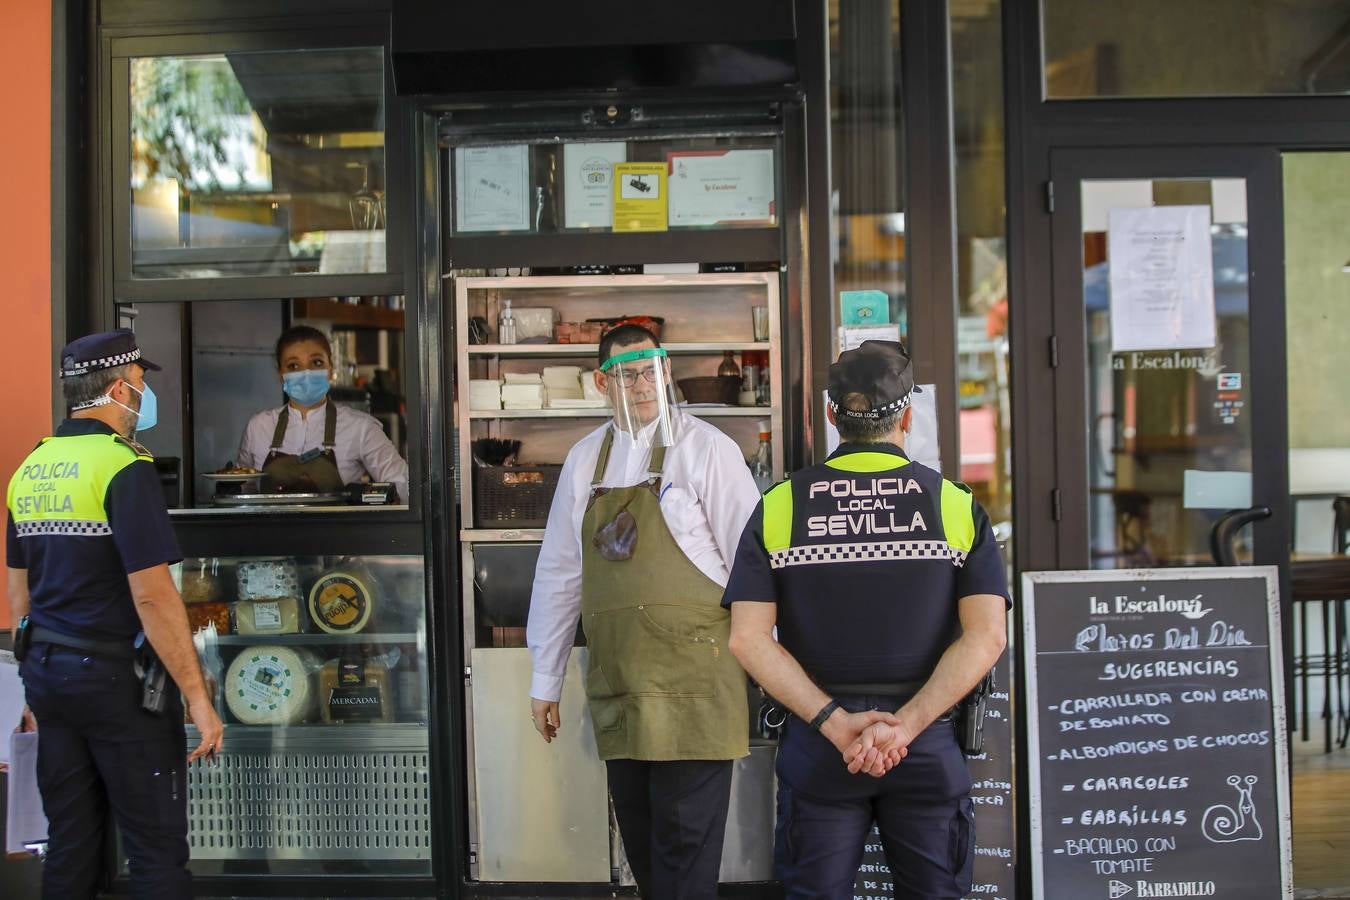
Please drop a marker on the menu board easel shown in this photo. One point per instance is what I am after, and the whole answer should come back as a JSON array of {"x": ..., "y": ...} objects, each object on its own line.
[{"x": 1156, "y": 734}]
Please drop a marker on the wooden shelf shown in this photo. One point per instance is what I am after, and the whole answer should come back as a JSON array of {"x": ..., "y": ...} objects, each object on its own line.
[
  {"x": 702, "y": 412},
  {"x": 526, "y": 350},
  {"x": 347, "y": 314}
]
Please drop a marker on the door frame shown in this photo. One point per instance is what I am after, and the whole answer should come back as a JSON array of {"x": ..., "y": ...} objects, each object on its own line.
[{"x": 1260, "y": 170}]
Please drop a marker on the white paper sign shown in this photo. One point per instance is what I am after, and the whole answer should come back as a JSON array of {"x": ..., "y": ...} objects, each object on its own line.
[
  {"x": 1162, "y": 278},
  {"x": 24, "y": 820},
  {"x": 11, "y": 699},
  {"x": 921, "y": 446},
  {"x": 852, "y": 337},
  {"x": 588, "y": 185},
  {"x": 492, "y": 188},
  {"x": 719, "y": 186}
]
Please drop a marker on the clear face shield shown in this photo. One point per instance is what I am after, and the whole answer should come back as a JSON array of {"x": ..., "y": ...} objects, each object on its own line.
[{"x": 639, "y": 385}]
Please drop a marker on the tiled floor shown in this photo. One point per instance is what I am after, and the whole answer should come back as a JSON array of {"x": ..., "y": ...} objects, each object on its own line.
[{"x": 1321, "y": 833}]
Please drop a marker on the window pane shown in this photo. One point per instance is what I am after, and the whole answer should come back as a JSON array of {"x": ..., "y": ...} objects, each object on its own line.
[
  {"x": 982, "y": 333},
  {"x": 220, "y": 396},
  {"x": 258, "y": 164},
  {"x": 1169, "y": 368},
  {"x": 867, "y": 137},
  {"x": 1200, "y": 48}
]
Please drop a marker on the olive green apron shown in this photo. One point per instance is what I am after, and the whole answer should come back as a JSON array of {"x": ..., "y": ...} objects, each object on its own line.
[
  {"x": 313, "y": 472},
  {"x": 661, "y": 683}
]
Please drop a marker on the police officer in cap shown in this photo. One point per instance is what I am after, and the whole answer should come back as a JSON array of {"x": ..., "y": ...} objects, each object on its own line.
[
  {"x": 888, "y": 593},
  {"x": 89, "y": 547}
]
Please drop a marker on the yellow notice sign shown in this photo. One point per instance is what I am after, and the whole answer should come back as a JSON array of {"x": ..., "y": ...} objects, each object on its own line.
[{"x": 640, "y": 196}]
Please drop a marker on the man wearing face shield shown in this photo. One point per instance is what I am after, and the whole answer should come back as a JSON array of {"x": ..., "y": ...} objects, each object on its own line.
[
  {"x": 640, "y": 539},
  {"x": 89, "y": 544}
]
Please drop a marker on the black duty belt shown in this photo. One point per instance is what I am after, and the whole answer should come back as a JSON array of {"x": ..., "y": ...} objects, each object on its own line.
[
  {"x": 115, "y": 649},
  {"x": 874, "y": 689}
]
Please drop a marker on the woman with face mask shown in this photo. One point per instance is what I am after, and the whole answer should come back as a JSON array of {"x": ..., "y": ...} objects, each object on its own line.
[{"x": 310, "y": 444}]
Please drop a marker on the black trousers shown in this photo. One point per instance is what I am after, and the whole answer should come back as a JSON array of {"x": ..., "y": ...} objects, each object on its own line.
[
  {"x": 673, "y": 818},
  {"x": 98, "y": 751},
  {"x": 922, "y": 808}
]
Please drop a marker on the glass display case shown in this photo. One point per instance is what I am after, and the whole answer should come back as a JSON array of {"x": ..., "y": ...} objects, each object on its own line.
[{"x": 319, "y": 670}]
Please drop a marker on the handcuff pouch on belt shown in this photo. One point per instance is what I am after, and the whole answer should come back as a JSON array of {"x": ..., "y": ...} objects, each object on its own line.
[
  {"x": 23, "y": 638},
  {"x": 970, "y": 716},
  {"x": 151, "y": 672}
]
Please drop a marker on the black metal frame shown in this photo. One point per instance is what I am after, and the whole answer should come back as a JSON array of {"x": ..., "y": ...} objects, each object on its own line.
[
  {"x": 930, "y": 201},
  {"x": 120, "y": 30},
  {"x": 1245, "y": 136}
]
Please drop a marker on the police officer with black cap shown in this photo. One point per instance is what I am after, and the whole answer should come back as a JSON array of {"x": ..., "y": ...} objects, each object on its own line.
[
  {"x": 888, "y": 593},
  {"x": 89, "y": 548}
]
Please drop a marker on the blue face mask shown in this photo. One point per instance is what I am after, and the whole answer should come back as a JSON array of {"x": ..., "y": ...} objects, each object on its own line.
[
  {"x": 148, "y": 415},
  {"x": 306, "y": 388}
]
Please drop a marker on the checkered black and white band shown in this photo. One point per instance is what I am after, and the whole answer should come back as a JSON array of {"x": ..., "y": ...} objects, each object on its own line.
[
  {"x": 65, "y": 527},
  {"x": 879, "y": 413},
  {"x": 817, "y": 554},
  {"x": 93, "y": 365}
]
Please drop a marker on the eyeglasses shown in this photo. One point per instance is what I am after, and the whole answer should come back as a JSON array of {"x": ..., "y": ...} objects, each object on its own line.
[{"x": 629, "y": 377}]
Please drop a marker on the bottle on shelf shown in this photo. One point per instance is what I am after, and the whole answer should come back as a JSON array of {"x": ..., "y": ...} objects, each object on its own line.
[
  {"x": 761, "y": 464},
  {"x": 728, "y": 367},
  {"x": 506, "y": 325}
]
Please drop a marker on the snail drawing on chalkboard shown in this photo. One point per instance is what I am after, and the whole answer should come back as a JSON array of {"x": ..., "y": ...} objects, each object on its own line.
[{"x": 1222, "y": 825}]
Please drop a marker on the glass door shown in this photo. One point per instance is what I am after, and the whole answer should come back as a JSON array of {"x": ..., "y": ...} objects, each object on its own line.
[{"x": 1170, "y": 354}]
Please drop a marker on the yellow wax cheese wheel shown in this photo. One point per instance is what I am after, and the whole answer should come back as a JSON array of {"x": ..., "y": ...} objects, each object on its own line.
[
  {"x": 341, "y": 602},
  {"x": 267, "y": 685}
]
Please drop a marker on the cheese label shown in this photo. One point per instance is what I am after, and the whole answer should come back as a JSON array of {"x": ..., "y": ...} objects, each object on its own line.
[
  {"x": 264, "y": 683},
  {"x": 355, "y": 704},
  {"x": 266, "y": 615},
  {"x": 340, "y": 603}
]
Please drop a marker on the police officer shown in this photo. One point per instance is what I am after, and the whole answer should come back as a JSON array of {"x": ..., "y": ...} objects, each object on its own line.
[
  {"x": 887, "y": 591},
  {"x": 89, "y": 548}
]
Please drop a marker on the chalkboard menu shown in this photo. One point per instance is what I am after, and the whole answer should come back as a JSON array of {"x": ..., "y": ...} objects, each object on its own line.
[
  {"x": 1156, "y": 734},
  {"x": 991, "y": 773}
]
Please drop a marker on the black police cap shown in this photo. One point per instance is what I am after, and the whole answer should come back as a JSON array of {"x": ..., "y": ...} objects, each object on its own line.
[
  {"x": 881, "y": 372},
  {"x": 102, "y": 351}
]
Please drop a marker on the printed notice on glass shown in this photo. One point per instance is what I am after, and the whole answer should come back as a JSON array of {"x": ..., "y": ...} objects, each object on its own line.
[
  {"x": 492, "y": 188},
  {"x": 1156, "y": 734},
  {"x": 721, "y": 187},
  {"x": 640, "y": 197},
  {"x": 1162, "y": 278},
  {"x": 588, "y": 184}
]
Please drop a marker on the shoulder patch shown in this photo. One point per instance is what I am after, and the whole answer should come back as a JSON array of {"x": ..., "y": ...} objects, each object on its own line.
[{"x": 134, "y": 447}]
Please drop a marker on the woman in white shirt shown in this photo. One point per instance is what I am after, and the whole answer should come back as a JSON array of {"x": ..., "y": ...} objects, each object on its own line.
[{"x": 310, "y": 444}]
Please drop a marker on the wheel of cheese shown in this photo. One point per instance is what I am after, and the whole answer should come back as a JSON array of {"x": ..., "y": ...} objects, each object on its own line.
[
  {"x": 268, "y": 685},
  {"x": 341, "y": 602}
]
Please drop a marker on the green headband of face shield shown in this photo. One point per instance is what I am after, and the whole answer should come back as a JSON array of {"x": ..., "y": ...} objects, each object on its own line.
[{"x": 633, "y": 356}]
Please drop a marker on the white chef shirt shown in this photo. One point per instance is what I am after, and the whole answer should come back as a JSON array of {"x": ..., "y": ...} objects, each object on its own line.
[
  {"x": 360, "y": 444},
  {"x": 707, "y": 496}
]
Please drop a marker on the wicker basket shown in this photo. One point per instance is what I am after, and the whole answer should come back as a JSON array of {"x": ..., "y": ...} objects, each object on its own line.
[
  {"x": 711, "y": 389},
  {"x": 513, "y": 496}
]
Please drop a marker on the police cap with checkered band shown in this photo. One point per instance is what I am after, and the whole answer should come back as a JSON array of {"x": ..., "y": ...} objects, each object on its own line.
[
  {"x": 102, "y": 351},
  {"x": 881, "y": 372}
]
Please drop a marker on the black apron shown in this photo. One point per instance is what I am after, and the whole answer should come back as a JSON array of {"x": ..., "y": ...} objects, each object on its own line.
[{"x": 312, "y": 472}]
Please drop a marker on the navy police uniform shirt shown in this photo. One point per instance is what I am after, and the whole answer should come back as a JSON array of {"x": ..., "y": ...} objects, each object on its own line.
[
  {"x": 86, "y": 509},
  {"x": 867, "y": 556}
]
